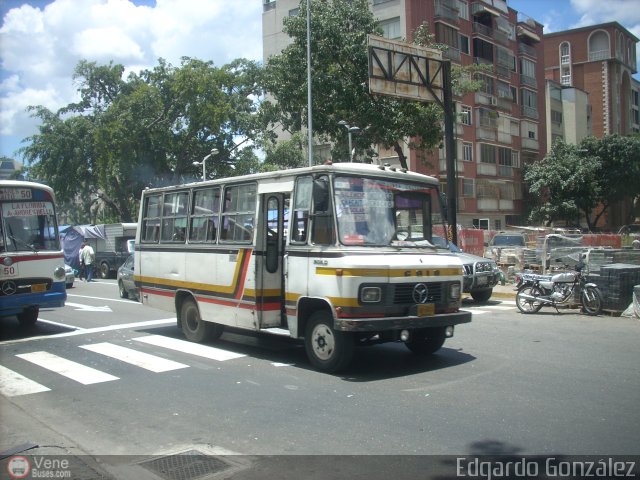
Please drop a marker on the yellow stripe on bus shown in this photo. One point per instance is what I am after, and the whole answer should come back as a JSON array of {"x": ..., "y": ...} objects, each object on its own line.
[{"x": 390, "y": 273}]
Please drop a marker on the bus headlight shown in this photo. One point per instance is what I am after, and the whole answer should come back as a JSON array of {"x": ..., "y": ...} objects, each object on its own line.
[
  {"x": 454, "y": 291},
  {"x": 59, "y": 273},
  {"x": 370, "y": 294}
]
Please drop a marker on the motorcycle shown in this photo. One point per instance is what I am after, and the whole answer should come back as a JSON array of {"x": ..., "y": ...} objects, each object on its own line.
[{"x": 536, "y": 291}]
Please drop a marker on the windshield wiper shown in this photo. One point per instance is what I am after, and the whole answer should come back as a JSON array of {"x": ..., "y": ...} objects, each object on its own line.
[{"x": 17, "y": 241}]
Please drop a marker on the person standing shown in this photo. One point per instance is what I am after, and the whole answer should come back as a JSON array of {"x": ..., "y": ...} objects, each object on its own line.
[
  {"x": 88, "y": 257},
  {"x": 81, "y": 274}
]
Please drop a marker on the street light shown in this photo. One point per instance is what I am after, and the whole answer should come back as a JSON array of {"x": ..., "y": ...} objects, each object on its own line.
[
  {"x": 214, "y": 151},
  {"x": 350, "y": 130}
]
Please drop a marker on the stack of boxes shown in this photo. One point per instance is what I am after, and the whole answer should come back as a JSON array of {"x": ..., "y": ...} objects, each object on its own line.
[{"x": 616, "y": 283}]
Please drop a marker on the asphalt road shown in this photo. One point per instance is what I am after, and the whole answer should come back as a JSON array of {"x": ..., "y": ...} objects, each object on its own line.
[{"x": 544, "y": 384}]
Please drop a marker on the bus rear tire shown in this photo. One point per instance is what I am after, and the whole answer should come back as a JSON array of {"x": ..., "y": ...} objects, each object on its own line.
[
  {"x": 29, "y": 316},
  {"x": 193, "y": 327},
  {"x": 328, "y": 350}
]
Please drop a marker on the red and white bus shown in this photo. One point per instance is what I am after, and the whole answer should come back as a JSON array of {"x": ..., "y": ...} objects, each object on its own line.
[{"x": 32, "y": 274}]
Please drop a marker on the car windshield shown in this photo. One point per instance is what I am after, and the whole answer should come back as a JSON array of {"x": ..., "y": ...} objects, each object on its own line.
[{"x": 374, "y": 212}]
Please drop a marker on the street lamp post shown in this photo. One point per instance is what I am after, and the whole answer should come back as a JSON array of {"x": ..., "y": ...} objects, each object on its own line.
[
  {"x": 214, "y": 151},
  {"x": 350, "y": 130}
]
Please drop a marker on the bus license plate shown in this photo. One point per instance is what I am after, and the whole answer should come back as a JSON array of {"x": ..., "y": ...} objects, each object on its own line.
[
  {"x": 39, "y": 287},
  {"x": 426, "y": 309}
]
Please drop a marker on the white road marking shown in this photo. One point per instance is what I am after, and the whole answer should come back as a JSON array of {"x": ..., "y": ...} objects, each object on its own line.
[
  {"x": 191, "y": 348},
  {"x": 86, "y": 331},
  {"x": 13, "y": 384},
  {"x": 130, "y": 302},
  {"x": 87, "y": 308},
  {"x": 75, "y": 371},
  {"x": 134, "y": 357}
]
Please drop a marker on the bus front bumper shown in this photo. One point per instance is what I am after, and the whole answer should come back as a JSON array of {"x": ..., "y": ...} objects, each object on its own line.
[{"x": 400, "y": 323}]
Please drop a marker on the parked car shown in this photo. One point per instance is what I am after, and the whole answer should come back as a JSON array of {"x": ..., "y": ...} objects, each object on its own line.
[
  {"x": 508, "y": 239},
  {"x": 126, "y": 285},
  {"x": 480, "y": 274},
  {"x": 70, "y": 276}
]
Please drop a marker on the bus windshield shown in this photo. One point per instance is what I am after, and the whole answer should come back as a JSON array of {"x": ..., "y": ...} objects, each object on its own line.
[
  {"x": 376, "y": 212},
  {"x": 28, "y": 226}
]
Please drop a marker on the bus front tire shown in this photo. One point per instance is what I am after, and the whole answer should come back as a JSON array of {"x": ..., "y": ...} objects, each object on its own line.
[
  {"x": 193, "y": 327},
  {"x": 29, "y": 316},
  {"x": 328, "y": 350}
]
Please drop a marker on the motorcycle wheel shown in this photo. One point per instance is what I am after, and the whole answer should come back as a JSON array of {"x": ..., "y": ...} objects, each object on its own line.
[
  {"x": 525, "y": 305},
  {"x": 591, "y": 301}
]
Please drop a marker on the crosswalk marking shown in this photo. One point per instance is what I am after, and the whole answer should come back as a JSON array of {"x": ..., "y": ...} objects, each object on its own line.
[
  {"x": 75, "y": 371},
  {"x": 134, "y": 357},
  {"x": 189, "y": 347},
  {"x": 13, "y": 384}
]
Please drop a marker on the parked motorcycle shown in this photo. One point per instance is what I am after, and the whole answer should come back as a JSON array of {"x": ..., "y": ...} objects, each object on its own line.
[{"x": 536, "y": 291}]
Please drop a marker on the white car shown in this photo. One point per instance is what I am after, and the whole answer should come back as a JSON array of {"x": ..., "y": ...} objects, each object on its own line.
[{"x": 70, "y": 276}]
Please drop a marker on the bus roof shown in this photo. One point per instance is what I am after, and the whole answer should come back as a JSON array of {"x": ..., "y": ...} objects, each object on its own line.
[
  {"x": 382, "y": 171},
  {"x": 25, "y": 184}
]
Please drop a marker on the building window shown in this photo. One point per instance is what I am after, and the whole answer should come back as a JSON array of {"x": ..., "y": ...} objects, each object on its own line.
[
  {"x": 465, "y": 115},
  {"x": 464, "y": 43},
  {"x": 391, "y": 28},
  {"x": 463, "y": 9},
  {"x": 515, "y": 158},
  {"x": 487, "y": 153},
  {"x": 468, "y": 187},
  {"x": 565, "y": 75},
  {"x": 481, "y": 223},
  {"x": 447, "y": 35},
  {"x": 565, "y": 53},
  {"x": 598, "y": 44},
  {"x": 487, "y": 84},
  {"x": 505, "y": 162},
  {"x": 556, "y": 117},
  {"x": 482, "y": 51},
  {"x": 467, "y": 151},
  {"x": 294, "y": 12}
]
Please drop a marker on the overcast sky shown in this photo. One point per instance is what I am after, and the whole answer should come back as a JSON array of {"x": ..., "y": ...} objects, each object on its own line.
[{"x": 41, "y": 41}]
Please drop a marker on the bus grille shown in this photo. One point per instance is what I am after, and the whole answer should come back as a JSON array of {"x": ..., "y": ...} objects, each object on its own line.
[
  {"x": 403, "y": 293},
  {"x": 21, "y": 285}
]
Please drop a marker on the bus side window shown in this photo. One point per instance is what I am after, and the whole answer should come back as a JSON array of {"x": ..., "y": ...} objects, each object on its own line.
[
  {"x": 323, "y": 231},
  {"x": 301, "y": 210}
]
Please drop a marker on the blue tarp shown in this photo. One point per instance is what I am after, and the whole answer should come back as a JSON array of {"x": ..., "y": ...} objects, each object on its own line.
[{"x": 71, "y": 239}]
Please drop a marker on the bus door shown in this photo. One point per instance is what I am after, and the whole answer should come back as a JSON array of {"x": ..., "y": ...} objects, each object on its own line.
[{"x": 269, "y": 262}]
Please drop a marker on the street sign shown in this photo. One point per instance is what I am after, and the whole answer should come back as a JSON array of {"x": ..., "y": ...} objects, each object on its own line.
[{"x": 400, "y": 69}]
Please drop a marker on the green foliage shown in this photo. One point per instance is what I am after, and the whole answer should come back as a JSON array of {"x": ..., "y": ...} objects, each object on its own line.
[
  {"x": 286, "y": 154},
  {"x": 340, "y": 83},
  {"x": 148, "y": 129},
  {"x": 571, "y": 181}
]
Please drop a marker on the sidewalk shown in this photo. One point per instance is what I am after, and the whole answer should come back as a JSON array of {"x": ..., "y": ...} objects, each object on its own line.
[{"x": 504, "y": 292}]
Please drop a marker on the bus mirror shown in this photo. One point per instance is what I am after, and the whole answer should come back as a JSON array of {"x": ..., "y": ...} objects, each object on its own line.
[
  {"x": 320, "y": 195},
  {"x": 443, "y": 205}
]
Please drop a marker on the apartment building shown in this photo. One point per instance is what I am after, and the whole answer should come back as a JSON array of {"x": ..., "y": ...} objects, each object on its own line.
[
  {"x": 568, "y": 113},
  {"x": 600, "y": 60},
  {"x": 498, "y": 129}
]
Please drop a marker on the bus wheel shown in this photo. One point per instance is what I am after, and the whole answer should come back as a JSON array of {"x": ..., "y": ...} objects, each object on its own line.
[
  {"x": 427, "y": 341},
  {"x": 29, "y": 316},
  {"x": 193, "y": 327},
  {"x": 328, "y": 350}
]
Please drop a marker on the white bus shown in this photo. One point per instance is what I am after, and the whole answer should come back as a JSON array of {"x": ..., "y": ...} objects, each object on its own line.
[
  {"x": 32, "y": 274},
  {"x": 338, "y": 255}
]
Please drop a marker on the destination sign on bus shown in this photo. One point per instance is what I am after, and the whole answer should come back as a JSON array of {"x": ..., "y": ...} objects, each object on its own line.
[
  {"x": 15, "y": 194},
  {"x": 27, "y": 209}
]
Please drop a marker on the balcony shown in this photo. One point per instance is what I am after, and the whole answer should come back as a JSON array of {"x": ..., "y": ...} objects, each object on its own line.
[
  {"x": 599, "y": 55},
  {"x": 530, "y": 143},
  {"x": 446, "y": 9},
  {"x": 485, "y": 99},
  {"x": 482, "y": 29},
  {"x": 530, "y": 112},
  {"x": 487, "y": 169},
  {"x": 528, "y": 81},
  {"x": 503, "y": 71},
  {"x": 481, "y": 8},
  {"x": 527, "y": 50},
  {"x": 526, "y": 32},
  {"x": 482, "y": 61},
  {"x": 452, "y": 53},
  {"x": 269, "y": 5}
]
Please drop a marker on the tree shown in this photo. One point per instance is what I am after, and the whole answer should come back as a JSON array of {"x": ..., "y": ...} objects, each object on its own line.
[
  {"x": 340, "y": 83},
  {"x": 148, "y": 129},
  {"x": 573, "y": 180},
  {"x": 565, "y": 183},
  {"x": 619, "y": 158}
]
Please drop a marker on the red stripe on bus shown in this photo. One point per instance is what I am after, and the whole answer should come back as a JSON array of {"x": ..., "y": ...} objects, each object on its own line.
[
  {"x": 227, "y": 303},
  {"x": 28, "y": 258}
]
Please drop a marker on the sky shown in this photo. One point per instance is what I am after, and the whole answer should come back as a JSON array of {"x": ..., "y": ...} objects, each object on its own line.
[{"x": 42, "y": 41}]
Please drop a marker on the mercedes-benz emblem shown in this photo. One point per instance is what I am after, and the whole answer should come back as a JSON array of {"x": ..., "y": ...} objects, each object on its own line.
[
  {"x": 9, "y": 288},
  {"x": 420, "y": 293}
]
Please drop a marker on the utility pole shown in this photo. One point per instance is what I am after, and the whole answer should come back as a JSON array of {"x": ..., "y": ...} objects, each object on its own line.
[{"x": 450, "y": 151}]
